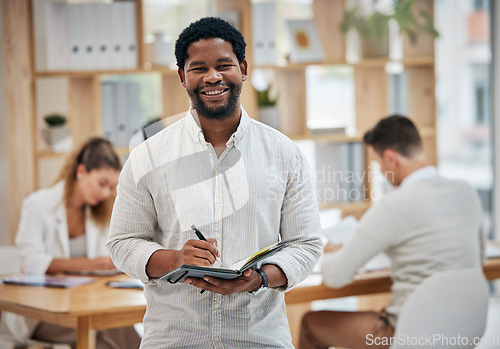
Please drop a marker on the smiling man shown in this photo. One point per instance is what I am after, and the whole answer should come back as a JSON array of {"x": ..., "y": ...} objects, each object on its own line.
[{"x": 244, "y": 184}]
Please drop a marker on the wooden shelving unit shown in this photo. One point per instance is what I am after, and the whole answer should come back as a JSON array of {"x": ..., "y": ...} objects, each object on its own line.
[
  {"x": 90, "y": 73},
  {"x": 371, "y": 88},
  {"x": 84, "y": 100}
]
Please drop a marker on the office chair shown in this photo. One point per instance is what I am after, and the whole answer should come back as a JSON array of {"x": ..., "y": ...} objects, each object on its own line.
[
  {"x": 10, "y": 264},
  {"x": 449, "y": 307}
]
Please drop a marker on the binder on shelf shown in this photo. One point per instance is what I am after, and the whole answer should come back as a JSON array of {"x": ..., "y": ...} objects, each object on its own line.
[
  {"x": 340, "y": 172},
  {"x": 357, "y": 159},
  {"x": 75, "y": 37},
  {"x": 115, "y": 37},
  {"x": 107, "y": 111},
  {"x": 130, "y": 34},
  {"x": 135, "y": 110},
  {"x": 121, "y": 114},
  {"x": 104, "y": 42},
  {"x": 88, "y": 28},
  {"x": 343, "y": 165},
  {"x": 263, "y": 33},
  {"x": 328, "y": 174},
  {"x": 123, "y": 33},
  {"x": 56, "y": 29}
]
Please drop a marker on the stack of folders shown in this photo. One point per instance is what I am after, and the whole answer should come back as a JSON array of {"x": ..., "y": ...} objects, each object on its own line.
[
  {"x": 91, "y": 36},
  {"x": 340, "y": 172},
  {"x": 121, "y": 111}
]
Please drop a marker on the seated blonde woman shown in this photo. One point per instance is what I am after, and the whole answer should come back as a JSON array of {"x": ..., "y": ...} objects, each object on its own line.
[{"x": 64, "y": 228}]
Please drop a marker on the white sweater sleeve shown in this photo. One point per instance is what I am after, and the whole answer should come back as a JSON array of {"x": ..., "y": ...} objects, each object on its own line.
[{"x": 374, "y": 234}]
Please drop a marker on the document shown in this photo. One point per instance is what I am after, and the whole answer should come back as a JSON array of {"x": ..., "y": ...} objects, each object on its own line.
[
  {"x": 132, "y": 283},
  {"x": 47, "y": 280},
  {"x": 108, "y": 272},
  {"x": 341, "y": 232},
  {"x": 186, "y": 271}
]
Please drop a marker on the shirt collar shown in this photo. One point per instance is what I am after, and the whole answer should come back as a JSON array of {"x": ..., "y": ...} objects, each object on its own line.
[
  {"x": 194, "y": 127},
  {"x": 422, "y": 173}
]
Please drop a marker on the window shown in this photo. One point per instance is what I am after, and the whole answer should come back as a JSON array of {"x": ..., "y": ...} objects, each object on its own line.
[{"x": 464, "y": 103}]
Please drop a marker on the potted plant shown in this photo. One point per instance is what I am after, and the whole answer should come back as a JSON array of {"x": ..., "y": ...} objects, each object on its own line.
[
  {"x": 59, "y": 134},
  {"x": 268, "y": 109},
  {"x": 373, "y": 28}
]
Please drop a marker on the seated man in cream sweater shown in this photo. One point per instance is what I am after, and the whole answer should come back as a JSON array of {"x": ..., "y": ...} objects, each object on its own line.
[{"x": 427, "y": 224}]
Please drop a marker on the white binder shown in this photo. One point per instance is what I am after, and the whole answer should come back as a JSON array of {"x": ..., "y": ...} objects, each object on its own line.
[
  {"x": 129, "y": 34},
  {"x": 121, "y": 114},
  {"x": 343, "y": 165},
  {"x": 56, "y": 27},
  {"x": 357, "y": 166},
  {"x": 104, "y": 54},
  {"x": 115, "y": 22},
  {"x": 89, "y": 37},
  {"x": 75, "y": 38},
  {"x": 135, "y": 110},
  {"x": 107, "y": 111}
]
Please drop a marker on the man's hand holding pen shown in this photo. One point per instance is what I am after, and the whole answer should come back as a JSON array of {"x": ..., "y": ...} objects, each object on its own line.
[
  {"x": 199, "y": 252},
  {"x": 245, "y": 282}
]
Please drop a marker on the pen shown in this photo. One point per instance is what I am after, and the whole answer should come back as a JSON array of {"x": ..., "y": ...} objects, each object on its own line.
[{"x": 202, "y": 237}]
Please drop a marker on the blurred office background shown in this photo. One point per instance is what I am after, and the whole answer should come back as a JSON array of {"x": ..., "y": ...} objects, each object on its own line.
[{"x": 464, "y": 69}]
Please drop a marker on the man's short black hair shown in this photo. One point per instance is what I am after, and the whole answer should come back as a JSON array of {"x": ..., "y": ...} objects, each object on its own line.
[
  {"x": 209, "y": 28},
  {"x": 394, "y": 132}
]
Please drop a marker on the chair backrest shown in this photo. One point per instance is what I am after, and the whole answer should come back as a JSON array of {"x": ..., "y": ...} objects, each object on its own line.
[
  {"x": 9, "y": 260},
  {"x": 448, "y": 310}
]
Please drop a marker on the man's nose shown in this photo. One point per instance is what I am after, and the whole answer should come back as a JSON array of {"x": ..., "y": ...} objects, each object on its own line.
[{"x": 213, "y": 76}]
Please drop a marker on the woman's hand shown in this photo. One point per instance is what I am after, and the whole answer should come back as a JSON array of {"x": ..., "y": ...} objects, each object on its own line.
[
  {"x": 101, "y": 263},
  {"x": 331, "y": 248}
]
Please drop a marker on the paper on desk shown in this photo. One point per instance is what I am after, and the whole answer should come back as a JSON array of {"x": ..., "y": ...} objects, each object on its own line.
[
  {"x": 492, "y": 250},
  {"x": 341, "y": 232},
  {"x": 329, "y": 217}
]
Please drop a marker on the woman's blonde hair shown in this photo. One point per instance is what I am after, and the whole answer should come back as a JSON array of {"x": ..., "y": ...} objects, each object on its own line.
[{"x": 94, "y": 154}]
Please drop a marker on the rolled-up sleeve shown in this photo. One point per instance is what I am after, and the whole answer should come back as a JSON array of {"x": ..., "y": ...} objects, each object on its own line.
[{"x": 300, "y": 225}]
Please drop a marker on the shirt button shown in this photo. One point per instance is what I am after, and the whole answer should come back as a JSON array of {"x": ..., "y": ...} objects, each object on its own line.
[{"x": 216, "y": 338}]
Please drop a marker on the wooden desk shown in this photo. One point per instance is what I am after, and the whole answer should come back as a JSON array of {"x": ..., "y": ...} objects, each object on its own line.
[
  {"x": 367, "y": 283},
  {"x": 298, "y": 300},
  {"x": 85, "y": 308},
  {"x": 96, "y": 306}
]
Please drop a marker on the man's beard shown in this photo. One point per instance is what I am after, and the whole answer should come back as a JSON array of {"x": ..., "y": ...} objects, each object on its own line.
[{"x": 216, "y": 113}]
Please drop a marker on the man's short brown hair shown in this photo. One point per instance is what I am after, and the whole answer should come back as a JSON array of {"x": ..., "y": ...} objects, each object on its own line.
[{"x": 394, "y": 132}]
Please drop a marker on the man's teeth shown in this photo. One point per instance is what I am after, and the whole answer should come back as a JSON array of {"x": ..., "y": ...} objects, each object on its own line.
[{"x": 211, "y": 93}]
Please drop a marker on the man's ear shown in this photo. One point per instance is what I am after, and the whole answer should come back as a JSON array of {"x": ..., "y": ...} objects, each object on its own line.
[
  {"x": 391, "y": 157},
  {"x": 182, "y": 78},
  {"x": 244, "y": 70}
]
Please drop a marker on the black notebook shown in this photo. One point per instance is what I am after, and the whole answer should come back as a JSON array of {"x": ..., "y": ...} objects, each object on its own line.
[{"x": 194, "y": 271}]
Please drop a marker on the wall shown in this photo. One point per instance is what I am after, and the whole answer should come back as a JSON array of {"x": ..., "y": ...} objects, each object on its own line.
[{"x": 4, "y": 178}]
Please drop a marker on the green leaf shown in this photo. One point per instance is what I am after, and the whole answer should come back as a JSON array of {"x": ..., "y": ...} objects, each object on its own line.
[
  {"x": 54, "y": 120},
  {"x": 264, "y": 99}
]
